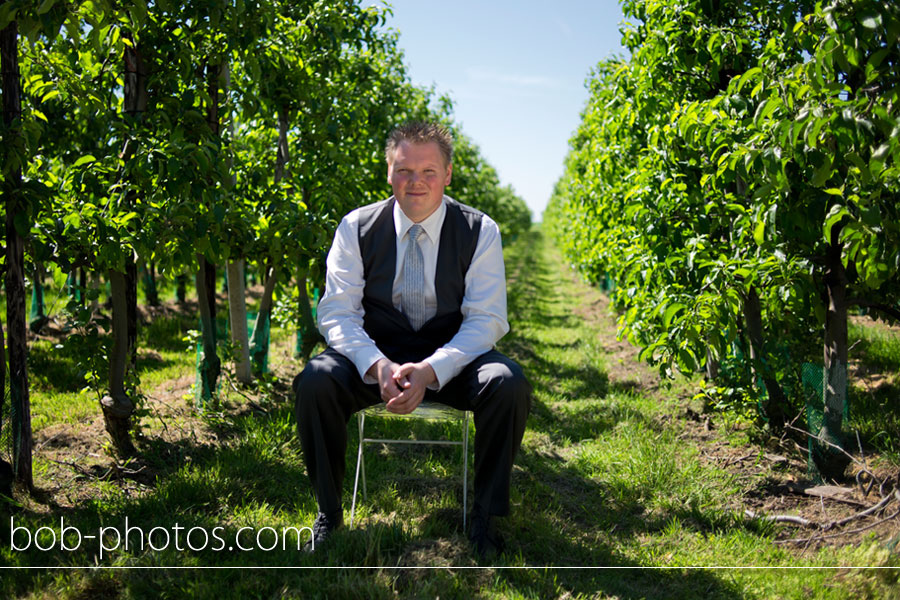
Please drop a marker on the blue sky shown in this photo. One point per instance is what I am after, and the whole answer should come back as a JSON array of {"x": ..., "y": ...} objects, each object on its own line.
[{"x": 516, "y": 72}]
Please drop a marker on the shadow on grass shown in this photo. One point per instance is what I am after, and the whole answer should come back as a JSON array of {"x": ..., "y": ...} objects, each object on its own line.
[
  {"x": 258, "y": 480},
  {"x": 873, "y": 413},
  {"x": 167, "y": 333},
  {"x": 52, "y": 370},
  {"x": 875, "y": 386}
]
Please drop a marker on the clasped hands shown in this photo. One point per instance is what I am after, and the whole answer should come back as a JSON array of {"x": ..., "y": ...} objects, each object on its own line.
[{"x": 402, "y": 386}]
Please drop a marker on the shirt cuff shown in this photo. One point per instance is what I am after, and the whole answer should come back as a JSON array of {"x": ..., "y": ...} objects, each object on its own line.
[
  {"x": 444, "y": 368},
  {"x": 364, "y": 361}
]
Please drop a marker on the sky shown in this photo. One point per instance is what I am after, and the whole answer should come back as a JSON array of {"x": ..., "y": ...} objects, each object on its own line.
[{"x": 516, "y": 73}]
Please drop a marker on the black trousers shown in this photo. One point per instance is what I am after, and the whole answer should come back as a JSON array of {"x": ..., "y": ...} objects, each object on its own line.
[{"x": 330, "y": 390}]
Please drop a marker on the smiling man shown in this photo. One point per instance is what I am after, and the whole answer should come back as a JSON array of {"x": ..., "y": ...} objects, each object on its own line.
[{"x": 415, "y": 299}]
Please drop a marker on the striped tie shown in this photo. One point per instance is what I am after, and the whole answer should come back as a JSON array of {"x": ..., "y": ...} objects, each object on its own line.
[{"x": 413, "y": 289}]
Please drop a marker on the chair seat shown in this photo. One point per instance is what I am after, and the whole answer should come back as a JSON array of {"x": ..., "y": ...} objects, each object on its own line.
[{"x": 425, "y": 410}]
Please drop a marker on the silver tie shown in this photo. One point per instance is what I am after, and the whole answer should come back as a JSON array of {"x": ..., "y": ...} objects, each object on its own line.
[{"x": 413, "y": 289}]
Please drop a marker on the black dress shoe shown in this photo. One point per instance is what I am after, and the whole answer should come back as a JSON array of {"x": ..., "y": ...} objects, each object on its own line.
[
  {"x": 486, "y": 542},
  {"x": 322, "y": 528}
]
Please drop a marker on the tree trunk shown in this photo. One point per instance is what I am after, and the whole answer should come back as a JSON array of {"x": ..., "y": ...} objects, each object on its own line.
[
  {"x": 235, "y": 279},
  {"x": 150, "y": 289},
  {"x": 181, "y": 289},
  {"x": 82, "y": 285},
  {"x": 259, "y": 344},
  {"x": 72, "y": 285},
  {"x": 830, "y": 461},
  {"x": 237, "y": 311},
  {"x": 15, "y": 264},
  {"x": 712, "y": 365},
  {"x": 307, "y": 333},
  {"x": 776, "y": 405},
  {"x": 209, "y": 365},
  {"x": 2, "y": 375},
  {"x": 135, "y": 104},
  {"x": 6, "y": 471},
  {"x": 282, "y": 155},
  {"x": 95, "y": 292},
  {"x": 116, "y": 405},
  {"x": 38, "y": 317},
  {"x": 132, "y": 315}
]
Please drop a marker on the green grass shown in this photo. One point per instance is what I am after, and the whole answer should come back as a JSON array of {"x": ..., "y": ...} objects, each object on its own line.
[
  {"x": 877, "y": 345},
  {"x": 604, "y": 478},
  {"x": 873, "y": 393}
]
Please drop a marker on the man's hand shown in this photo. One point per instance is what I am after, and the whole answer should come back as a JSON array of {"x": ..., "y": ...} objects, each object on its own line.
[
  {"x": 413, "y": 379},
  {"x": 383, "y": 370}
]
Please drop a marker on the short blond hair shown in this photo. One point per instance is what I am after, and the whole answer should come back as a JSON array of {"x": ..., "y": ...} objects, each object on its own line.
[{"x": 419, "y": 132}]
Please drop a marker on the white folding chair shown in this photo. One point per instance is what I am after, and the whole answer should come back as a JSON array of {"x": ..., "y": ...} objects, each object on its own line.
[{"x": 426, "y": 410}]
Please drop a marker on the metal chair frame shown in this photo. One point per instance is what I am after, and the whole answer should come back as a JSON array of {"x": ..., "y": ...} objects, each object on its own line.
[{"x": 426, "y": 410}]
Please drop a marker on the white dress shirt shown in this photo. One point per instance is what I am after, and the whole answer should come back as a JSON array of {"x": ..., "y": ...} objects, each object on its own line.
[{"x": 340, "y": 312}]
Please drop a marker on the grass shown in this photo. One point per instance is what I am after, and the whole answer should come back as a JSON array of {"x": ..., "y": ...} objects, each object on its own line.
[
  {"x": 605, "y": 477},
  {"x": 873, "y": 393}
]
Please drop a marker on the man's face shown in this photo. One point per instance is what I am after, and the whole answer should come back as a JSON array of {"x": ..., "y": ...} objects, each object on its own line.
[{"x": 418, "y": 177}]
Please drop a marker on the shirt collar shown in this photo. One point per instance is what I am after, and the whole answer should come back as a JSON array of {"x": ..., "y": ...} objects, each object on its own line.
[{"x": 432, "y": 225}]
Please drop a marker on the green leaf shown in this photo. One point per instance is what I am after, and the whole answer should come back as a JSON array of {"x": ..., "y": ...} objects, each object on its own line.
[
  {"x": 837, "y": 212},
  {"x": 670, "y": 312},
  {"x": 138, "y": 12},
  {"x": 686, "y": 360},
  {"x": 45, "y": 6},
  {"x": 7, "y": 14},
  {"x": 835, "y": 191},
  {"x": 876, "y": 59},
  {"x": 748, "y": 74},
  {"x": 822, "y": 174},
  {"x": 759, "y": 232},
  {"x": 870, "y": 21},
  {"x": 87, "y": 158},
  {"x": 813, "y": 137}
]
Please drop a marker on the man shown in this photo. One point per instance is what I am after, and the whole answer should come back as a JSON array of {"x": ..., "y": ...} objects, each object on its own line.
[{"x": 415, "y": 299}]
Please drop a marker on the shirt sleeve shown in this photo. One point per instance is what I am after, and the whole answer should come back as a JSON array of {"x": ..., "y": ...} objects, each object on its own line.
[
  {"x": 340, "y": 312},
  {"x": 483, "y": 308}
]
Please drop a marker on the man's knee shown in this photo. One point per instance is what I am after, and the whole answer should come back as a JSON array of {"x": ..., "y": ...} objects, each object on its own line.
[
  {"x": 509, "y": 383},
  {"x": 315, "y": 381}
]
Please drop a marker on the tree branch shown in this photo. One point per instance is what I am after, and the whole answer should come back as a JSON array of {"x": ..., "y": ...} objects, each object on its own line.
[
  {"x": 881, "y": 504},
  {"x": 886, "y": 309}
]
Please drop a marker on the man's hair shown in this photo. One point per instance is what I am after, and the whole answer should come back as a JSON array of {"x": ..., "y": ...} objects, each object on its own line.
[{"x": 418, "y": 132}]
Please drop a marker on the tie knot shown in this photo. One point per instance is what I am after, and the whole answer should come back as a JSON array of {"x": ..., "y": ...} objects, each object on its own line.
[{"x": 414, "y": 232}]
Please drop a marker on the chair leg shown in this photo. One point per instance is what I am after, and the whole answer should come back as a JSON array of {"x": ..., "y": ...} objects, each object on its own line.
[
  {"x": 362, "y": 462},
  {"x": 359, "y": 462},
  {"x": 465, "y": 455},
  {"x": 361, "y": 467}
]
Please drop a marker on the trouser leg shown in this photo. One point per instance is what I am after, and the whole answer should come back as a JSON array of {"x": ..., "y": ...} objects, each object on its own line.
[
  {"x": 327, "y": 393},
  {"x": 495, "y": 389}
]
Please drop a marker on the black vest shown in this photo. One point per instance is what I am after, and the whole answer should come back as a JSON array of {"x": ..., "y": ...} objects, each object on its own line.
[{"x": 387, "y": 326}]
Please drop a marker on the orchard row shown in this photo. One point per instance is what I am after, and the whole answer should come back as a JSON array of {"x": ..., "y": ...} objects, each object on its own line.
[
  {"x": 194, "y": 136},
  {"x": 738, "y": 180}
]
